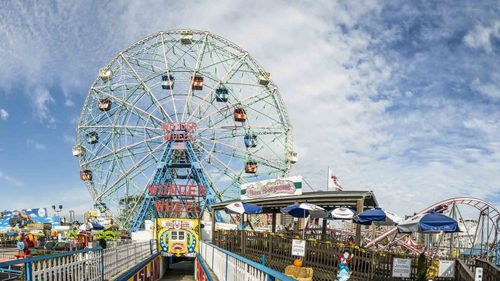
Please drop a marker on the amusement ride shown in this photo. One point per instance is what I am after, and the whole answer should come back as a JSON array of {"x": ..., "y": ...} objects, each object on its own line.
[
  {"x": 181, "y": 119},
  {"x": 177, "y": 121}
]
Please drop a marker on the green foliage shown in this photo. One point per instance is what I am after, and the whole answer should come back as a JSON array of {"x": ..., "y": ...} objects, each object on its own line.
[
  {"x": 106, "y": 235},
  {"x": 421, "y": 268},
  {"x": 72, "y": 234}
]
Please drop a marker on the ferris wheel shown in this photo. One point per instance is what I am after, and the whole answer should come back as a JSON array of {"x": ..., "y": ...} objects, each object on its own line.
[{"x": 180, "y": 85}]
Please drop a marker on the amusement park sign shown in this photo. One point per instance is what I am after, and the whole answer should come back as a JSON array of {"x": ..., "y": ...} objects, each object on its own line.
[
  {"x": 272, "y": 188},
  {"x": 179, "y": 131}
]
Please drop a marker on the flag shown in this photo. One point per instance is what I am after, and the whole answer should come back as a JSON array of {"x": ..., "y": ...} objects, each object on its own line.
[{"x": 333, "y": 181}]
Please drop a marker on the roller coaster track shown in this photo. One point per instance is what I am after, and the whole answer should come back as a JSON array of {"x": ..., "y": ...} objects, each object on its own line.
[{"x": 483, "y": 206}]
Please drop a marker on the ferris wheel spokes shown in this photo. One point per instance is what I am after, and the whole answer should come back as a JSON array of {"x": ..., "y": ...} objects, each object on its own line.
[{"x": 146, "y": 88}]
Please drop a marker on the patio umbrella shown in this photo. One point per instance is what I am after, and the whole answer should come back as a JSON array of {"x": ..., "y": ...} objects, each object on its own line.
[
  {"x": 369, "y": 216},
  {"x": 243, "y": 208},
  {"x": 304, "y": 210},
  {"x": 342, "y": 213},
  {"x": 429, "y": 223}
]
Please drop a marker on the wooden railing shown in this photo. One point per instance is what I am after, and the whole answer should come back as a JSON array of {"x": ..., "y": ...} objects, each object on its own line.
[
  {"x": 490, "y": 271},
  {"x": 462, "y": 272},
  {"x": 321, "y": 256}
]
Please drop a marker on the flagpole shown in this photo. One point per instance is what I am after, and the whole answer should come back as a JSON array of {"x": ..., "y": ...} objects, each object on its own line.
[{"x": 327, "y": 178}]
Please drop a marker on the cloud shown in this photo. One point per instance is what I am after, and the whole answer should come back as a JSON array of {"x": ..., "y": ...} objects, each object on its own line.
[
  {"x": 10, "y": 179},
  {"x": 3, "y": 114},
  {"x": 36, "y": 145},
  {"x": 480, "y": 36},
  {"x": 42, "y": 99},
  {"x": 389, "y": 94},
  {"x": 490, "y": 90},
  {"x": 69, "y": 139}
]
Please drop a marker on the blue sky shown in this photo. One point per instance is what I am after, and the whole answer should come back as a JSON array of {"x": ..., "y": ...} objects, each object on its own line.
[{"x": 398, "y": 97}]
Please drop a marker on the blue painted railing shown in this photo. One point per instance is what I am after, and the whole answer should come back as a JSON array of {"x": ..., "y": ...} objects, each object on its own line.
[
  {"x": 230, "y": 266},
  {"x": 94, "y": 264},
  {"x": 27, "y": 263}
]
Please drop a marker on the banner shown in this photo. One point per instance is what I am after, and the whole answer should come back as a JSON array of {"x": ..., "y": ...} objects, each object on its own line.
[{"x": 272, "y": 188}]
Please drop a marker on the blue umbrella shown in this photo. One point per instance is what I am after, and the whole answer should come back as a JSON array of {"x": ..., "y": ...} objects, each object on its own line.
[
  {"x": 303, "y": 210},
  {"x": 429, "y": 223},
  {"x": 243, "y": 208},
  {"x": 369, "y": 216}
]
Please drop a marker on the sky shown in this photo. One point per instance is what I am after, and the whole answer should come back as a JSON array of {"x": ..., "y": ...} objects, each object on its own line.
[{"x": 398, "y": 97}]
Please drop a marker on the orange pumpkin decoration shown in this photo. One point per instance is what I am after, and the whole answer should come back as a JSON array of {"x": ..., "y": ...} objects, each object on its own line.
[{"x": 297, "y": 263}]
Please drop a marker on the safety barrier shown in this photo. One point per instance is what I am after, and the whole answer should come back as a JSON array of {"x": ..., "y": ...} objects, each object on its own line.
[
  {"x": 94, "y": 264},
  {"x": 228, "y": 266},
  {"x": 149, "y": 269}
]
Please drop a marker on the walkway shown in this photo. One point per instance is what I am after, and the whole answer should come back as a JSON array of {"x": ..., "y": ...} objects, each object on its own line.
[{"x": 181, "y": 271}]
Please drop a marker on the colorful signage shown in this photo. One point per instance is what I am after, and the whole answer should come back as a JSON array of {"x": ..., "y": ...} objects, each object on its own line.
[
  {"x": 35, "y": 215},
  {"x": 171, "y": 206},
  {"x": 179, "y": 131},
  {"x": 201, "y": 275},
  {"x": 188, "y": 190},
  {"x": 272, "y": 188},
  {"x": 177, "y": 237}
]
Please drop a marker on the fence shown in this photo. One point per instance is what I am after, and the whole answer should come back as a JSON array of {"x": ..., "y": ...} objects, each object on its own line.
[
  {"x": 228, "y": 266},
  {"x": 462, "y": 272},
  {"x": 88, "y": 264},
  {"x": 490, "y": 271},
  {"x": 321, "y": 256}
]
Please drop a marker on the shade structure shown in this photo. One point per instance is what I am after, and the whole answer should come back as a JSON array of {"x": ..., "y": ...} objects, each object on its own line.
[
  {"x": 369, "y": 216},
  {"x": 429, "y": 223},
  {"x": 304, "y": 210},
  {"x": 342, "y": 213},
  {"x": 243, "y": 208}
]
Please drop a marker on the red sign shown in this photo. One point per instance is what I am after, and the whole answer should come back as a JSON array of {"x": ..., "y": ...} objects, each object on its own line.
[
  {"x": 189, "y": 190},
  {"x": 179, "y": 131},
  {"x": 179, "y": 126},
  {"x": 169, "y": 206},
  {"x": 200, "y": 273}
]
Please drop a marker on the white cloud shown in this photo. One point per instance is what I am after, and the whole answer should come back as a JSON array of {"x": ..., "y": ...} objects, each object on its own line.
[
  {"x": 336, "y": 79},
  {"x": 10, "y": 179},
  {"x": 3, "y": 114},
  {"x": 490, "y": 90},
  {"x": 36, "y": 145},
  {"x": 42, "y": 99},
  {"x": 69, "y": 139},
  {"x": 480, "y": 36}
]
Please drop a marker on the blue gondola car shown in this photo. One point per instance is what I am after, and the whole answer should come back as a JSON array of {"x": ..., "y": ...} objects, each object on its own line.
[
  {"x": 250, "y": 140},
  {"x": 92, "y": 137},
  {"x": 167, "y": 82},
  {"x": 221, "y": 94}
]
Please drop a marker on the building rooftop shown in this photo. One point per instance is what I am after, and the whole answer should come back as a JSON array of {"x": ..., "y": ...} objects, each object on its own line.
[{"x": 325, "y": 199}]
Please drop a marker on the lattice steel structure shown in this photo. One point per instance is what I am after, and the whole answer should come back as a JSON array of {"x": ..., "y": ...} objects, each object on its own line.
[{"x": 242, "y": 130}]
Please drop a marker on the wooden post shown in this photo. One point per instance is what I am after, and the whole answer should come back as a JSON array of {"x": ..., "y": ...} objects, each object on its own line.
[
  {"x": 359, "y": 208},
  {"x": 273, "y": 229},
  {"x": 323, "y": 230}
]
